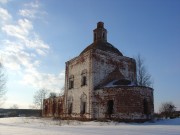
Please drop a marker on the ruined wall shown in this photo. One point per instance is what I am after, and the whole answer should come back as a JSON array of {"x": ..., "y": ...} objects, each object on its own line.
[
  {"x": 129, "y": 103},
  {"x": 104, "y": 63},
  {"x": 75, "y": 67},
  {"x": 53, "y": 107}
]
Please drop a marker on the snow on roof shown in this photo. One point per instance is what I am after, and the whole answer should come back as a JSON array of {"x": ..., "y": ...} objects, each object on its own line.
[{"x": 116, "y": 83}]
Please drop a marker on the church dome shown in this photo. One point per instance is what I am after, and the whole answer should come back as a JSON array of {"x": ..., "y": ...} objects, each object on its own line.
[
  {"x": 100, "y": 41},
  {"x": 104, "y": 46}
]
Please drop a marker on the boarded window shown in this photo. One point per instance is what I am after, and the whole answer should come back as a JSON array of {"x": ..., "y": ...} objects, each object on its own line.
[{"x": 110, "y": 105}]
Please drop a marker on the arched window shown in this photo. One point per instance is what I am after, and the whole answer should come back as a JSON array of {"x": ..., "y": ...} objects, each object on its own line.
[
  {"x": 70, "y": 105},
  {"x": 83, "y": 100},
  {"x": 71, "y": 82},
  {"x": 84, "y": 77}
]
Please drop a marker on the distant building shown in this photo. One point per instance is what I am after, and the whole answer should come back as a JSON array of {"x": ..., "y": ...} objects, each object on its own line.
[{"x": 100, "y": 83}]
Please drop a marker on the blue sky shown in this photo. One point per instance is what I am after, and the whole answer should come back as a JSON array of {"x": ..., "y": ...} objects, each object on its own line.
[{"x": 38, "y": 37}]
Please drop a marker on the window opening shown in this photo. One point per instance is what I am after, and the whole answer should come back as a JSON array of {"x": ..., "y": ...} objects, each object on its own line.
[
  {"x": 83, "y": 101},
  {"x": 84, "y": 78},
  {"x": 70, "y": 108},
  {"x": 71, "y": 82}
]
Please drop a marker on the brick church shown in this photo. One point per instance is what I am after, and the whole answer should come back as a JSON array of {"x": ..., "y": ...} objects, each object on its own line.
[{"x": 100, "y": 83}]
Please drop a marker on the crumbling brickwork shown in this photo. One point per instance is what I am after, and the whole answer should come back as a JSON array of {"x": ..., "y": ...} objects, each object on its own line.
[
  {"x": 100, "y": 83},
  {"x": 129, "y": 102},
  {"x": 53, "y": 107}
]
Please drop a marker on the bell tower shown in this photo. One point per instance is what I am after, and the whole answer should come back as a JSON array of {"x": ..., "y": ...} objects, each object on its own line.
[{"x": 100, "y": 33}]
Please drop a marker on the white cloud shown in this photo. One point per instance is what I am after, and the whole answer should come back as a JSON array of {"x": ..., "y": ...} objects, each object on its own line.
[
  {"x": 21, "y": 30},
  {"x": 20, "y": 52},
  {"x": 24, "y": 32},
  {"x": 34, "y": 4},
  {"x": 41, "y": 47},
  {"x": 15, "y": 58},
  {"x": 4, "y": 1},
  {"x": 4, "y": 15},
  {"x": 32, "y": 11},
  {"x": 43, "y": 80},
  {"x": 27, "y": 13}
]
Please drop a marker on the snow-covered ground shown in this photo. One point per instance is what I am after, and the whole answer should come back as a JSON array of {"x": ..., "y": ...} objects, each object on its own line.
[{"x": 37, "y": 126}]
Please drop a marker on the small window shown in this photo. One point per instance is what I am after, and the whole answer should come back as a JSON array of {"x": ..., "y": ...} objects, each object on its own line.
[
  {"x": 84, "y": 78},
  {"x": 103, "y": 35},
  {"x": 94, "y": 36},
  {"x": 83, "y": 81},
  {"x": 71, "y": 82}
]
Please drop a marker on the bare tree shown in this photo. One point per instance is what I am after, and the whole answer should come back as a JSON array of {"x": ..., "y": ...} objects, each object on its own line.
[
  {"x": 167, "y": 109},
  {"x": 143, "y": 77},
  {"x": 15, "y": 106},
  {"x": 52, "y": 95},
  {"x": 62, "y": 91},
  {"x": 39, "y": 96},
  {"x": 2, "y": 83}
]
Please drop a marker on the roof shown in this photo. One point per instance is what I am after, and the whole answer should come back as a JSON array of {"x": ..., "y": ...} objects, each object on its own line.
[{"x": 102, "y": 45}]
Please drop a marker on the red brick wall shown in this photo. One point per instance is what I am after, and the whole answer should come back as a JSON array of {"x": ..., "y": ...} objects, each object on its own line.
[{"x": 128, "y": 102}]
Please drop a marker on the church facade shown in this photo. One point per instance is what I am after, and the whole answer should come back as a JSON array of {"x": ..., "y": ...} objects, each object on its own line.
[{"x": 100, "y": 83}]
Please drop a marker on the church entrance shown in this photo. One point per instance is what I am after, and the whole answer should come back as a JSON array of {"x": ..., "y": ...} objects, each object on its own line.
[{"x": 110, "y": 106}]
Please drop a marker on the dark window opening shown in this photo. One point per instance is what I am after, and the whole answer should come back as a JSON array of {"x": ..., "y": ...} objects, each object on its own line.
[
  {"x": 46, "y": 108},
  {"x": 83, "y": 107},
  {"x": 145, "y": 105},
  {"x": 71, "y": 84},
  {"x": 84, "y": 77},
  {"x": 70, "y": 108},
  {"x": 83, "y": 81},
  {"x": 103, "y": 35},
  {"x": 110, "y": 105},
  {"x": 54, "y": 107},
  {"x": 95, "y": 37},
  {"x": 60, "y": 108}
]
